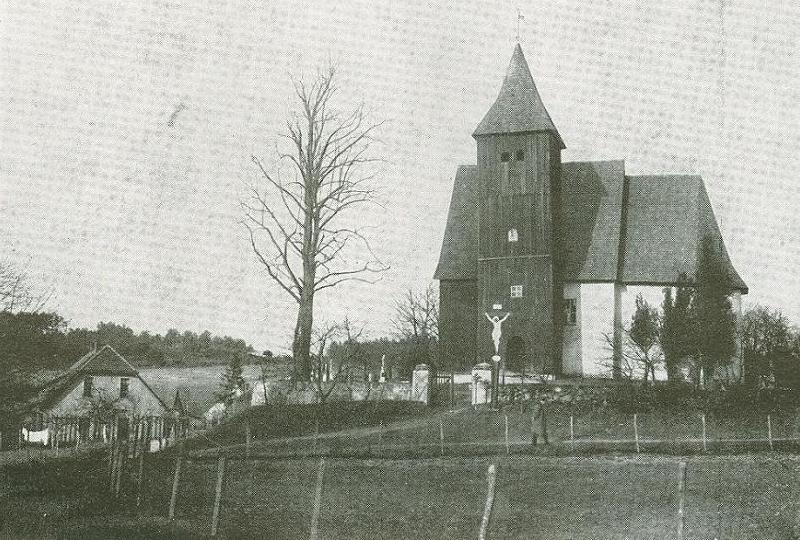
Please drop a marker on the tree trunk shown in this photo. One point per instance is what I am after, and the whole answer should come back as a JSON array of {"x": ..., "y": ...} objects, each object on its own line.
[{"x": 301, "y": 347}]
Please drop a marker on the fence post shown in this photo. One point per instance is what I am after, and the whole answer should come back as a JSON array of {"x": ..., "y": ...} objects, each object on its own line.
[
  {"x": 491, "y": 477},
  {"x": 175, "y": 480},
  {"x": 247, "y": 439},
  {"x": 769, "y": 431},
  {"x": 317, "y": 500},
  {"x": 681, "y": 503},
  {"x": 636, "y": 432},
  {"x": 441, "y": 437},
  {"x": 380, "y": 437},
  {"x": 703, "y": 418},
  {"x": 572, "y": 432},
  {"x": 316, "y": 433},
  {"x": 508, "y": 448},
  {"x": 218, "y": 495}
]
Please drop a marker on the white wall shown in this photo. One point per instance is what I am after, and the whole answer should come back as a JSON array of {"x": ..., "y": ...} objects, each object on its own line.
[
  {"x": 596, "y": 320},
  {"x": 140, "y": 400}
]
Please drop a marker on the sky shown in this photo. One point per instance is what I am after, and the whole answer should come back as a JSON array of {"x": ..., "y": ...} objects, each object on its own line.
[{"x": 127, "y": 130}]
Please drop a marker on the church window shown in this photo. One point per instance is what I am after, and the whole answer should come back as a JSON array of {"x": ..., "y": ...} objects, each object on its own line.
[
  {"x": 513, "y": 235},
  {"x": 124, "y": 384},
  {"x": 570, "y": 311},
  {"x": 516, "y": 291},
  {"x": 87, "y": 387},
  {"x": 505, "y": 157},
  {"x": 520, "y": 155}
]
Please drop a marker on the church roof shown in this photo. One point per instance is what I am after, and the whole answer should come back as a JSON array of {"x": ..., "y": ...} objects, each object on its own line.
[
  {"x": 669, "y": 218},
  {"x": 629, "y": 229},
  {"x": 459, "y": 256},
  {"x": 518, "y": 107}
]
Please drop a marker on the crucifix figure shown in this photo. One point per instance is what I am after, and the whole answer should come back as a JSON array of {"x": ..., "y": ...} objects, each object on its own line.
[
  {"x": 497, "y": 331},
  {"x": 520, "y": 17}
]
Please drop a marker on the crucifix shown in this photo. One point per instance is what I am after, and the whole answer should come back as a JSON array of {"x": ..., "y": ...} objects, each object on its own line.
[{"x": 520, "y": 17}]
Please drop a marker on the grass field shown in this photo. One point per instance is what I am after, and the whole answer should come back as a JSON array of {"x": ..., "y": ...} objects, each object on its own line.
[
  {"x": 382, "y": 493},
  {"x": 198, "y": 385},
  {"x": 555, "y": 498}
]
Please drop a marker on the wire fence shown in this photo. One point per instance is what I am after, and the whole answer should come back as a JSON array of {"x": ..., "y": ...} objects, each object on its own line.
[
  {"x": 497, "y": 497},
  {"x": 516, "y": 431}
]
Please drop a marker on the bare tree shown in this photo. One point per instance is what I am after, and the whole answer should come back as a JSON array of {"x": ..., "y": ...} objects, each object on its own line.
[
  {"x": 327, "y": 373},
  {"x": 417, "y": 320},
  {"x": 16, "y": 292},
  {"x": 641, "y": 353},
  {"x": 417, "y": 315},
  {"x": 295, "y": 220}
]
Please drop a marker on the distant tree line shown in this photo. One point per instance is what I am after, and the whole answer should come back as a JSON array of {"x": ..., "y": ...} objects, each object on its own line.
[{"x": 33, "y": 341}]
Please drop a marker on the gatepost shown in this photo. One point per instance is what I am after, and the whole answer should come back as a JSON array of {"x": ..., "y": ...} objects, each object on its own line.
[
  {"x": 420, "y": 384},
  {"x": 481, "y": 384}
]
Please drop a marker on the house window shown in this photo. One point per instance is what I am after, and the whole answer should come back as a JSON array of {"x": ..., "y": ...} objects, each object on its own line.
[
  {"x": 505, "y": 157},
  {"x": 513, "y": 235},
  {"x": 516, "y": 291},
  {"x": 570, "y": 311},
  {"x": 124, "y": 382},
  {"x": 87, "y": 387},
  {"x": 520, "y": 155}
]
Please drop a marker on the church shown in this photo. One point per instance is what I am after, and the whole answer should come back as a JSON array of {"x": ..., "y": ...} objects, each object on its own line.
[{"x": 562, "y": 248}]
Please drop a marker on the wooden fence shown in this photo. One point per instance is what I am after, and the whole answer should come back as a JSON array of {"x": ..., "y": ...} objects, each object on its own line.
[{"x": 50, "y": 431}]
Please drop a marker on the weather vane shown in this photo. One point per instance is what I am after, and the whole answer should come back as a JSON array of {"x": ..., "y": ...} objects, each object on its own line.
[{"x": 520, "y": 17}]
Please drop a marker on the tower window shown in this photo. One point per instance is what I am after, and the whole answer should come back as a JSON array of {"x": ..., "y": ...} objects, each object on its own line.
[
  {"x": 570, "y": 311},
  {"x": 520, "y": 155},
  {"x": 87, "y": 387},
  {"x": 124, "y": 384},
  {"x": 516, "y": 291},
  {"x": 505, "y": 157},
  {"x": 513, "y": 235}
]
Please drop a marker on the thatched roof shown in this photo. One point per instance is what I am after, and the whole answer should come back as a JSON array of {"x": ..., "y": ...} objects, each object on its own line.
[
  {"x": 657, "y": 224},
  {"x": 518, "y": 107}
]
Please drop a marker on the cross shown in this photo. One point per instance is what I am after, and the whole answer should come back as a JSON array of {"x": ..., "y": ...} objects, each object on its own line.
[{"x": 520, "y": 17}]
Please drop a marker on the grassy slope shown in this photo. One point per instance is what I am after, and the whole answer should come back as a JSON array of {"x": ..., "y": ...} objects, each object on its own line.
[{"x": 566, "y": 498}]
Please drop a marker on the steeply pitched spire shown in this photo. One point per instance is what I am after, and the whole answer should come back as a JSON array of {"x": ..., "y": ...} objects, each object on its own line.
[{"x": 518, "y": 107}]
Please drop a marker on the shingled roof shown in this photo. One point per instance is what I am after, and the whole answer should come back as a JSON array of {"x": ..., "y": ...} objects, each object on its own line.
[
  {"x": 669, "y": 218},
  {"x": 459, "y": 256},
  {"x": 518, "y": 107},
  {"x": 656, "y": 223}
]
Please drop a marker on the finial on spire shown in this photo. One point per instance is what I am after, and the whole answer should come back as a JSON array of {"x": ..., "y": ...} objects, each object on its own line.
[{"x": 520, "y": 17}]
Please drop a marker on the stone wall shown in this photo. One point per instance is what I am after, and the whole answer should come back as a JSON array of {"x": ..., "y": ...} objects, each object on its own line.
[{"x": 280, "y": 392}]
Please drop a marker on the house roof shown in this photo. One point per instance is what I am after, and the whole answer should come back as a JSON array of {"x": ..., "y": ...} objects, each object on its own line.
[
  {"x": 632, "y": 230},
  {"x": 103, "y": 361},
  {"x": 518, "y": 107}
]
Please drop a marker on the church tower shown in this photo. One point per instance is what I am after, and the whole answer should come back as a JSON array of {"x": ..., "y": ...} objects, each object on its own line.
[{"x": 519, "y": 169}]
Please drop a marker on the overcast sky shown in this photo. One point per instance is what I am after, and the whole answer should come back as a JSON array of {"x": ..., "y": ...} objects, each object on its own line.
[{"x": 127, "y": 130}]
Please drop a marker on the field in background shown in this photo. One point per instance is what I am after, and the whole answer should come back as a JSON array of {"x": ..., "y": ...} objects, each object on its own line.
[{"x": 198, "y": 385}]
